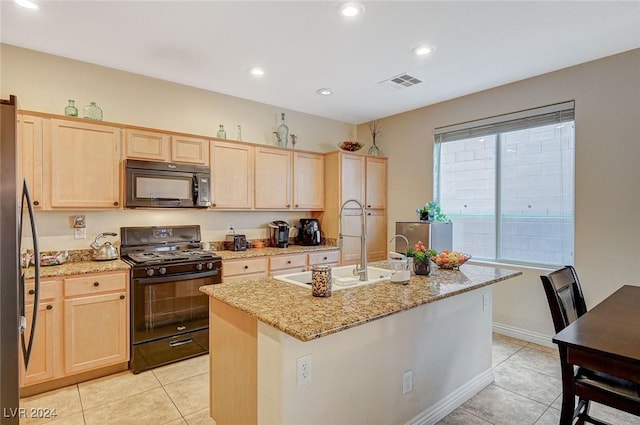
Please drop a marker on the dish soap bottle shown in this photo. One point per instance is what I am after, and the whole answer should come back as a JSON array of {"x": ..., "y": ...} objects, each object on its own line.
[
  {"x": 93, "y": 111},
  {"x": 283, "y": 133},
  {"x": 221, "y": 133},
  {"x": 71, "y": 110}
]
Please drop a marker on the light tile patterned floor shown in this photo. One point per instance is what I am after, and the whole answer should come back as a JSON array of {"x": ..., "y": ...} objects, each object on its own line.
[{"x": 526, "y": 391}]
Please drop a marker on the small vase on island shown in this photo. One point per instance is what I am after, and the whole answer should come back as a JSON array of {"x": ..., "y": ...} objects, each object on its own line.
[{"x": 422, "y": 267}]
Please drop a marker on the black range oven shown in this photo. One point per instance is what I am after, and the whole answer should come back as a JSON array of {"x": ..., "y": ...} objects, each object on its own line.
[{"x": 169, "y": 315}]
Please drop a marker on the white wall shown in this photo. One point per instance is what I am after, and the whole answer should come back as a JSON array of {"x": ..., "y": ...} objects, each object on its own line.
[
  {"x": 607, "y": 96},
  {"x": 45, "y": 82}
]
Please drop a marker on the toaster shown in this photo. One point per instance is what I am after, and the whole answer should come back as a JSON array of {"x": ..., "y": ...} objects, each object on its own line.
[{"x": 235, "y": 243}]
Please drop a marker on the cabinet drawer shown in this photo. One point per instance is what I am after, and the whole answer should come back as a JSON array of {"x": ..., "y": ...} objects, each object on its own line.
[
  {"x": 47, "y": 290},
  {"x": 324, "y": 257},
  {"x": 279, "y": 272},
  {"x": 94, "y": 284},
  {"x": 239, "y": 267},
  {"x": 287, "y": 262}
]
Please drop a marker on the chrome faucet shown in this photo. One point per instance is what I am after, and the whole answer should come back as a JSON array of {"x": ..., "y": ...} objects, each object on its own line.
[
  {"x": 361, "y": 269},
  {"x": 403, "y": 237}
]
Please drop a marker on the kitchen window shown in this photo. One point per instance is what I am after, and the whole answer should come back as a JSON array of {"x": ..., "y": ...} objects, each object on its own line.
[{"x": 507, "y": 183}]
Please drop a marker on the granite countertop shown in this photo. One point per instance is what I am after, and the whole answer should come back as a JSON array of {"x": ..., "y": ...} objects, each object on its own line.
[
  {"x": 269, "y": 251},
  {"x": 294, "y": 311},
  {"x": 78, "y": 267}
]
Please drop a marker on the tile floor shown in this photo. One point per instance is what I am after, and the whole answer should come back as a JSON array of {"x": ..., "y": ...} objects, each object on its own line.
[{"x": 526, "y": 391}]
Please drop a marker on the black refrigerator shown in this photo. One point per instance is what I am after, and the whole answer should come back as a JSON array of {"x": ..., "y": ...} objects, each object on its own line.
[{"x": 16, "y": 214}]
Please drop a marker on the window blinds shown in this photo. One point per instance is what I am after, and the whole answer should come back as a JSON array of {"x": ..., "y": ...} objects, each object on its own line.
[{"x": 545, "y": 115}]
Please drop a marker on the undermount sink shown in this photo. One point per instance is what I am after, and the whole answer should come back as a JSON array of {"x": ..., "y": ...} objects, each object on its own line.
[{"x": 342, "y": 277}]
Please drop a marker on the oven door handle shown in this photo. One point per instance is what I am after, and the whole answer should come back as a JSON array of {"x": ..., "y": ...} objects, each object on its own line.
[{"x": 175, "y": 278}]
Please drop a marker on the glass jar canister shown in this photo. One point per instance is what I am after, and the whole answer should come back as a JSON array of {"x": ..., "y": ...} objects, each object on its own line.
[
  {"x": 70, "y": 110},
  {"x": 221, "y": 134},
  {"x": 321, "y": 281},
  {"x": 93, "y": 111}
]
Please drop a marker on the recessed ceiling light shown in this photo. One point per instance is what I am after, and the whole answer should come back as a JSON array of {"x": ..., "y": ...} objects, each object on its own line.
[
  {"x": 325, "y": 92},
  {"x": 28, "y": 4},
  {"x": 257, "y": 71},
  {"x": 422, "y": 50},
  {"x": 351, "y": 9}
]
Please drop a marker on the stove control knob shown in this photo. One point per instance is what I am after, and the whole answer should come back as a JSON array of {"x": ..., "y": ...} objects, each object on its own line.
[
  {"x": 162, "y": 270},
  {"x": 210, "y": 266},
  {"x": 150, "y": 272},
  {"x": 199, "y": 266}
]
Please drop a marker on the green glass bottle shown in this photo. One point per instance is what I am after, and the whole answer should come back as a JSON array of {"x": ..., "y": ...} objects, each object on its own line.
[
  {"x": 93, "y": 111},
  {"x": 71, "y": 110},
  {"x": 283, "y": 132},
  {"x": 221, "y": 133}
]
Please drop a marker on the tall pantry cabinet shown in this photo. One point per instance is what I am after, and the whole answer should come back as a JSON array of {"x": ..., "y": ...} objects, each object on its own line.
[{"x": 363, "y": 178}]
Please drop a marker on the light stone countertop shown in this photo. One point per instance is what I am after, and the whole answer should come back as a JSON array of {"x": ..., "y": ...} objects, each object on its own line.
[
  {"x": 269, "y": 251},
  {"x": 294, "y": 311},
  {"x": 78, "y": 267}
]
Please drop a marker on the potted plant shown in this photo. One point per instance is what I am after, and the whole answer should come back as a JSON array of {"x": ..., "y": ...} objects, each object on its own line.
[
  {"x": 431, "y": 212},
  {"x": 421, "y": 258}
]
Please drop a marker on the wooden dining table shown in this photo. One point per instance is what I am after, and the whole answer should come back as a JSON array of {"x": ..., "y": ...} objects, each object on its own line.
[{"x": 604, "y": 339}]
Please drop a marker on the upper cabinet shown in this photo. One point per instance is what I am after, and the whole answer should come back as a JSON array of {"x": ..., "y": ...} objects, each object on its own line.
[
  {"x": 376, "y": 183},
  {"x": 308, "y": 181},
  {"x": 30, "y": 137},
  {"x": 231, "y": 175},
  {"x": 272, "y": 178},
  {"x": 157, "y": 146},
  {"x": 84, "y": 165}
]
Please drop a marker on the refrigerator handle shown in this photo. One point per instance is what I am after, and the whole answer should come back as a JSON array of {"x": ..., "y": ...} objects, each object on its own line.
[{"x": 26, "y": 348}]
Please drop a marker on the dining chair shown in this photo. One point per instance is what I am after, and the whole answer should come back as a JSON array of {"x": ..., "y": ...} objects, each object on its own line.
[{"x": 567, "y": 304}]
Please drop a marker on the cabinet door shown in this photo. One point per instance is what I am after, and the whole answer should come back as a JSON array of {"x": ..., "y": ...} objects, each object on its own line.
[
  {"x": 351, "y": 225},
  {"x": 30, "y": 142},
  {"x": 189, "y": 149},
  {"x": 352, "y": 178},
  {"x": 149, "y": 145},
  {"x": 376, "y": 235},
  {"x": 84, "y": 161},
  {"x": 232, "y": 175},
  {"x": 47, "y": 343},
  {"x": 308, "y": 181},
  {"x": 376, "y": 186},
  {"x": 272, "y": 178},
  {"x": 96, "y": 331}
]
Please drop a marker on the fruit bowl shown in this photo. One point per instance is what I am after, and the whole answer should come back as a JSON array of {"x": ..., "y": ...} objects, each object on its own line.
[
  {"x": 350, "y": 145},
  {"x": 450, "y": 260}
]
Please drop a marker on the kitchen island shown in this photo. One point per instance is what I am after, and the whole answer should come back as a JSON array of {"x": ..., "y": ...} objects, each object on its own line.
[{"x": 362, "y": 343}]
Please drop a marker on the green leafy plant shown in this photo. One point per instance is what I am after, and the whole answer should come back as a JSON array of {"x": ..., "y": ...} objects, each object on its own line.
[
  {"x": 420, "y": 252},
  {"x": 433, "y": 211}
]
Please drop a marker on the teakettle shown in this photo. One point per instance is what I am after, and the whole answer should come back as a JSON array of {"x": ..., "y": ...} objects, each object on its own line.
[{"x": 106, "y": 251}]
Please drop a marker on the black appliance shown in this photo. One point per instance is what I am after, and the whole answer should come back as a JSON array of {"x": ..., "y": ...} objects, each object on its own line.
[
  {"x": 235, "y": 242},
  {"x": 279, "y": 233},
  {"x": 167, "y": 185},
  {"x": 169, "y": 315},
  {"x": 14, "y": 208},
  {"x": 308, "y": 232}
]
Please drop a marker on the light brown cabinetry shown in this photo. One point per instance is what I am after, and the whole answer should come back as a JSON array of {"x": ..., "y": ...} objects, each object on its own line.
[
  {"x": 30, "y": 159},
  {"x": 283, "y": 264},
  {"x": 241, "y": 269},
  {"x": 272, "y": 178},
  {"x": 47, "y": 352},
  {"x": 231, "y": 175},
  {"x": 158, "y": 146},
  {"x": 363, "y": 178},
  {"x": 96, "y": 321},
  {"x": 308, "y": 181},
  {"x": 83, "y": 165},
  {"x": 325, "y": 258}
]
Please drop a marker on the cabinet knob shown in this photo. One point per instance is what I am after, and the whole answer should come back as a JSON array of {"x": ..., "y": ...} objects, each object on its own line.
[
  {"x": 96, "y": 284},
  {"x": 288, "y": 205},
  {"x": 288, "y": 261},
  {"x": 32, "y": 291},
  {"x": 116, "y": 203},
  {"x": 36, "y": 202},
  {"x": 213, "y": 204},
  {"x": 368, "y": 213},
  {"x": 122, "y": 297},
  {"x": 296, "y": 205},
  {"x": 324, "y": 258},
  {"x": 49, "y": 307},
  {"x": 246, "y": 267},
  {"x": 368, "y": 206}
]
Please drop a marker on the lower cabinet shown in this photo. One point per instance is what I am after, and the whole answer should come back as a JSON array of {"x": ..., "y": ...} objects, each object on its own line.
[
  {"x": 283, "y": 264},
  {"x": 242, "y": 269},
  {"x": 324, "y": 258}
]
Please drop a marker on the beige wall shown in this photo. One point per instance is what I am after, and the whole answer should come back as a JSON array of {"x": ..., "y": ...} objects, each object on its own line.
[
  {"x": 44, "y": 82},
  {"x": 607, "y": 96}
]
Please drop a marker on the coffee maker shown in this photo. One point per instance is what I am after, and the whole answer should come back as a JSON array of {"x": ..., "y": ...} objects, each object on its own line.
[
  {"x": 279, "y": 233},
  {"x": 308, "y": 232}
]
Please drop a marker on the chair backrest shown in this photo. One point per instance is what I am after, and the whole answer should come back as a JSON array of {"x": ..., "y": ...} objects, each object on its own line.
[{"x": 564, "y": 295}]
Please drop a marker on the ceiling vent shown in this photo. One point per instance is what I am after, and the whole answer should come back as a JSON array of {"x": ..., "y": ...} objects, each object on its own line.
[{"x": 401, "y": 81}]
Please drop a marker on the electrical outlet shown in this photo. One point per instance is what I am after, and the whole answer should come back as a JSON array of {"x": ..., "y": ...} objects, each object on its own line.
[
  {"x": 230, "y": 228},
  {"x": 407, "y": 382},
  {"x": 80, "y": 233},
  {"x": 304, "y": 370},
  {"x": 485, "y": 301}
]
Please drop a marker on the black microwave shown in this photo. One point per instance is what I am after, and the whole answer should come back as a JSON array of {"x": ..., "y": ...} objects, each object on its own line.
[{"x": 153, "y": 184}]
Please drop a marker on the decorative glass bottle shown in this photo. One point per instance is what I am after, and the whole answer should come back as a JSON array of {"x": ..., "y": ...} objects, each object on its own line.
[
  {"x": 239, "y": 132},
  {"x": 93, "y": 111},
  {"x": 221, "y": 133},
  {"x": 283, "y": 133},
  {"x": 374, "y": 149},
  {"x": 71, "y": 110}
]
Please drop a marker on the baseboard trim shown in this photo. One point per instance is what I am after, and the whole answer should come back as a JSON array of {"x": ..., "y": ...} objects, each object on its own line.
[
  {"x": 442, "y": 408},
  {"x": 523, "y": 334}
]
